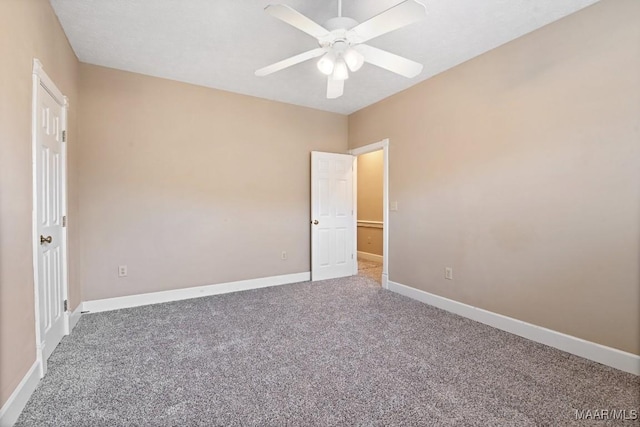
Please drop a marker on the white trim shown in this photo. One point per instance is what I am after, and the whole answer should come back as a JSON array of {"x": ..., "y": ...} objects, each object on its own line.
[
  {"x": 72, "y": 318},
  {"x": 354, "y": 212},
  {"x": 370, "y": 224},
  {"x": 117, "y": 303},
  {"x": 370, "y": 257},
  {"x": 65, "y": 211},
  {"x": 17, "y": 401},
  {"x": 47, "y": 83},
  {"x": 37, "y": 70},
  {"x": 384, "y": 146},
  {"x": 369, "y": 148},
  {"x": 615, "y": 358}
]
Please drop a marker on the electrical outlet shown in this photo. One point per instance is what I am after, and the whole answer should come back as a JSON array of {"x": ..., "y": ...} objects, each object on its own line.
[
  {"x": 283, "y": 256},
  {"x": 448, "y": 273},
  {"x": 122, "y": 271}
]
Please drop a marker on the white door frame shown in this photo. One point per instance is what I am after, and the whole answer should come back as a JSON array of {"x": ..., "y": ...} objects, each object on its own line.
[
  {"x": 41, "y": 81},
  {"x": 376, "y": 146}
]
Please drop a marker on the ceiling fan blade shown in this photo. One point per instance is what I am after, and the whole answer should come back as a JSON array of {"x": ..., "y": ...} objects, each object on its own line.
[
  {"x": 296, "y": 19},
  {"x": 335, "y": 88},
  {"x": 389, "y": 61},
  {"x": 281, "y": 65},
  {"x": 402, "y": 14}
]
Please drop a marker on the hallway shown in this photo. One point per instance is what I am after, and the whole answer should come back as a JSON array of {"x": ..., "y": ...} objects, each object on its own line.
[{"x": 370, "y": 269}]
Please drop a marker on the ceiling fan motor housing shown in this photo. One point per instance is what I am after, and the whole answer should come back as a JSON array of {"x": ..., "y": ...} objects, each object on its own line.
[
  {"x": 340, "y": 23},
  {"x": 338, "y": 27}
]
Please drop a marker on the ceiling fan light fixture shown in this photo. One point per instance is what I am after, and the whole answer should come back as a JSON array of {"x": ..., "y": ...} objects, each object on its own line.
[
  {"x": 340, "y": 70},
  {"x": 354, "y": 59},
  {"x": 326, "y": 64}
]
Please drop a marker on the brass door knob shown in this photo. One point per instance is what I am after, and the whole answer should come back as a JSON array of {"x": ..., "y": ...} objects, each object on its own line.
[{"x": 44, "y": 240}]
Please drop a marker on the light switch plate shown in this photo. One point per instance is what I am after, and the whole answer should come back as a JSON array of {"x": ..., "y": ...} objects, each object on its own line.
[
  {"x": 448, "y": 273},
  {"x": 393, "y": 205}
]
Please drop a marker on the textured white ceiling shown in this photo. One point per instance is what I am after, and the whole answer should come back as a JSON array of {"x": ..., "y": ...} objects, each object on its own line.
[{"x": 220, "y": 43}]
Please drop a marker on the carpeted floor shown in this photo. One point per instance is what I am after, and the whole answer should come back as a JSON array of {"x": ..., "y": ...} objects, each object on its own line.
[
  {"x": 370, "y": 269},
  {"x": 339, "y": 352}
]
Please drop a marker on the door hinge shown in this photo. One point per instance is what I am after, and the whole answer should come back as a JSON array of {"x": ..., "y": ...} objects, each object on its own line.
[
  {"x": 64, "y": 221},
  {"x": 64, "y": 136},
  {"x": 65, "y": 305},
  {"x": 351, "y": 256}
]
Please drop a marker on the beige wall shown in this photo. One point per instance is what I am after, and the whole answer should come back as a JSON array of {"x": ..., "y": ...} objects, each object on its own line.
[
  {"x": 370, "y": 240},
  {"x": 370, "y": 170},
  {"x": 190, "y": 186},
  {"x": 521, "y": 170},
  {"x": 28, "y": 29}
]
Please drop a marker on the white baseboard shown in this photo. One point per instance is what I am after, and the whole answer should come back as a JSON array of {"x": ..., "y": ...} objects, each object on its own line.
[
  {"x": 615, "y": 358},
  {"x": 370, "y": 257},
  {"x": 117, "y": 303},
  {"x": 17, "y": 401},
  {"x": 73, "y": 318}
]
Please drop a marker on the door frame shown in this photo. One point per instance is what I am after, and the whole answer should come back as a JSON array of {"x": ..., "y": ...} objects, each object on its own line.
[
  {"x": 376, "y": 146},
  {"x": 41, "y": 81}
]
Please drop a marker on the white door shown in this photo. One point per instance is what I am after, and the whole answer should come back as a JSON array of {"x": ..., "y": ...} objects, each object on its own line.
[
  {"x": 332, "y": 246},
  {"x": 49, "y": 211}
]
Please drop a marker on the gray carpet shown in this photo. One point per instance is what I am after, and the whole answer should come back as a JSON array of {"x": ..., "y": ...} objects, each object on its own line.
[
  {"x": 370, "y": 269},
  {"x": 339, "y": 352}
]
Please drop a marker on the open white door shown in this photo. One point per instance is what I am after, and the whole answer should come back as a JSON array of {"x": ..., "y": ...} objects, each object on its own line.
[
  {"x": 49, "y": 121},
  {"x": 332, "y": 246}
]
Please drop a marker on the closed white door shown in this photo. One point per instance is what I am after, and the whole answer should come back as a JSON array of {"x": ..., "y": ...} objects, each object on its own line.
[
  {"x": 49, "y": 212},
  {"x": 332, "y": 246}
]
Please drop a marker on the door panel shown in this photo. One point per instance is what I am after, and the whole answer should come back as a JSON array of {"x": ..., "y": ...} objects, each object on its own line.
[
  {"x": 49, "y": 209},
  {"x": 332, "y": 251}
]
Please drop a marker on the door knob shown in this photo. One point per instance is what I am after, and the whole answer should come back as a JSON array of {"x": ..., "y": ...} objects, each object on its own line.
[
  {"x": 315, "y": 222},
  {"x": 44, "y": 240}
]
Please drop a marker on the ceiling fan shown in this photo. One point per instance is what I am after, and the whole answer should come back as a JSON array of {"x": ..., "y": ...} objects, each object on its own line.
[{"x": 342, "y": 39}]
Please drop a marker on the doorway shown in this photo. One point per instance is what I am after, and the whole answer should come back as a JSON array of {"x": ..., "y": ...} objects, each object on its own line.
[
  {"x": 371, "y": 174},
  {"x": 49, "y": 149}
]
